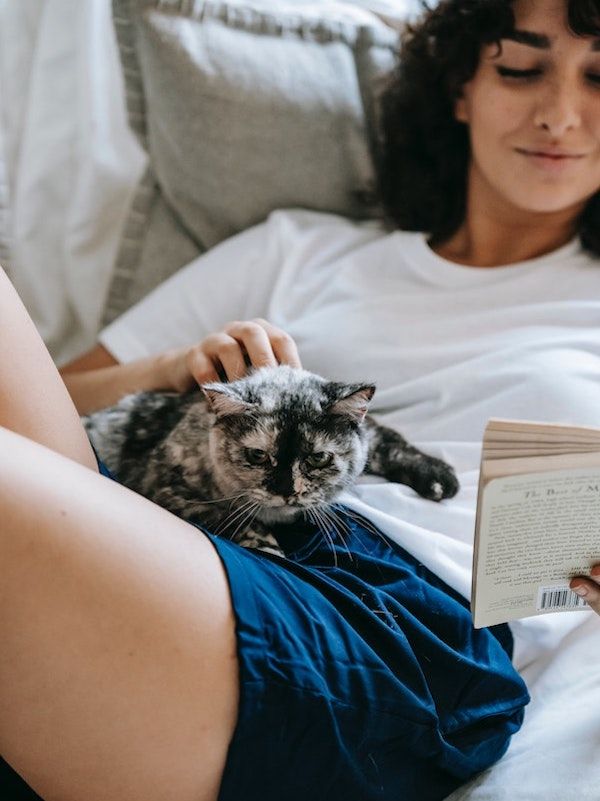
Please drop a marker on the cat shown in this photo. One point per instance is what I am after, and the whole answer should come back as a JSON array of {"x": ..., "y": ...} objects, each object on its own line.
[{"x": 275, "y": 447}]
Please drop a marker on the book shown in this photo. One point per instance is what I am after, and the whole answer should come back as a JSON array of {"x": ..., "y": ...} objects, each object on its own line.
[{"x": 538, "y": 519}]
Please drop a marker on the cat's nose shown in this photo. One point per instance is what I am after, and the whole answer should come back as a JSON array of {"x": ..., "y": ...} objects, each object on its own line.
[{"x": 283, "y": 485}]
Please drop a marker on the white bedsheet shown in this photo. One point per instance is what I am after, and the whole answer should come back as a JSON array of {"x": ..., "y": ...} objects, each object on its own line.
[{"x": 72, "y": 165}]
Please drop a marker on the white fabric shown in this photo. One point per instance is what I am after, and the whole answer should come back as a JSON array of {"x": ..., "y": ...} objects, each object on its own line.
[
  {"x": 448, "y": 346},
  {"x": 72, "y": 161}
]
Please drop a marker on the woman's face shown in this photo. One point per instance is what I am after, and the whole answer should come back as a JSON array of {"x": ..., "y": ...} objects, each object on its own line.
[{"x": 533, "y": 113}]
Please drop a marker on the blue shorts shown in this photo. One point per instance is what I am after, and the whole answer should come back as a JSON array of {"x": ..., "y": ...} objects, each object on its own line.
[{"x": 361, "y": 675}]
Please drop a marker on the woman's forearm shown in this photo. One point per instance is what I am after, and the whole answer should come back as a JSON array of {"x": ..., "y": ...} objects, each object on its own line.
[{"x": 97, "y": 388}]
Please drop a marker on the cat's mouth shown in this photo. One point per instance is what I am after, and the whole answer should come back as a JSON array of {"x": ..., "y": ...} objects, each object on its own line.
[
  {"x": 272, "y": 513},
  {"x": 278, "y": 503}
]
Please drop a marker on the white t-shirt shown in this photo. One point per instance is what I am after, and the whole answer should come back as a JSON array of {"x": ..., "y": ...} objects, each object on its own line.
[{"x": 448, "y": 345}]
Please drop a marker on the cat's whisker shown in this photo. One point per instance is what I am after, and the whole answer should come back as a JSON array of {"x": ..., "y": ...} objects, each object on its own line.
[
  {"x": 254, "y": 513},
  {"x": 322, "y": 524},
  {"x": 222, "y": 524},
  {"x": 362, "y": 521},
  {"x": 334, "y": 521},
  {"x": 231, "y": 518},
  {"x": 246, "y": 519},
  {"x": 240, "y": 511},
  {"x": 331, "y": 512},
  {"x": 227, "y": 498},
  {"x": 314, "y": 519}
]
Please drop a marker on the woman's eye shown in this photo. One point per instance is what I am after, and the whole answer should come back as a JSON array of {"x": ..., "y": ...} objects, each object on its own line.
[
  {"x": 320, "y": 459},
  {"x": 507, "y": 72},
  {"x": 256, "y": 456}
]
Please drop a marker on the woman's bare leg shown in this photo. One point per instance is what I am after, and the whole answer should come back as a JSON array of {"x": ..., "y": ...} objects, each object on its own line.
[
  {"x": 118, "y": 668},
  {"x": 33, "y": 398}
]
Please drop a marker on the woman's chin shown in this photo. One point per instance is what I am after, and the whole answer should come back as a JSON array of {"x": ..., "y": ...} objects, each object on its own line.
[{"x": 547, "y": 202}]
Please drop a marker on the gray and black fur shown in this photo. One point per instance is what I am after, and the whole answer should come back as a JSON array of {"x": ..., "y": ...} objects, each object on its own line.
[{"x": 275, "y": 447}]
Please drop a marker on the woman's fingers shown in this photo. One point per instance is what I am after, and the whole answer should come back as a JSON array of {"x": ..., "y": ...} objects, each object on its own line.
[
  {"x": 201, "y": 366},
  {"x": 265, "y": 344},
  {"x": 284, "y": 347},
  {"x": 589, "y": 588},
  {"x": 226, "y": 355},
  {"x": 253, "y": 338}
]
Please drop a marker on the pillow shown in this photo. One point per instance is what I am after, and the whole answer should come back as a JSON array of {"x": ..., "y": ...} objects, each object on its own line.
[
  {"x": 242, "y": 108},
  {"x": 4, "y": 209}
]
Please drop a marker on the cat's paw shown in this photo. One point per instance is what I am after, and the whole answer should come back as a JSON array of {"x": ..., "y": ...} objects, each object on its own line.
[
  {"x": 438, "y": 480},
  {"x": 432, "y": 478},
  {"x": 261, "y": 541}
]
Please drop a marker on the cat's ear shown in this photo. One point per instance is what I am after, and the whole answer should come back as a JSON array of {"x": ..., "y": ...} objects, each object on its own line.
[
  {"x": 223, "y": 401},
  {"x": 353, "y": 401}
]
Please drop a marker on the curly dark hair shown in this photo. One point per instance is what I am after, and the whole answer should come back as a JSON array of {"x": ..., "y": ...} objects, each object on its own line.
[{"x": 423, "y": 150}]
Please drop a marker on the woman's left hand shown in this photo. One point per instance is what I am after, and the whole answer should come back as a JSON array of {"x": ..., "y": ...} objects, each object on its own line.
[{"x": 588, "y": 588}]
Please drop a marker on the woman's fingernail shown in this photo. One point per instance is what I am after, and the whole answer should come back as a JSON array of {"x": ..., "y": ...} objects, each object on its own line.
[{"x": 581, "y": 590}]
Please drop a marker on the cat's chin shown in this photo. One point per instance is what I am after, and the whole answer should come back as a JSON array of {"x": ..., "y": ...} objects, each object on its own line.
[{"x": 278, "y": 514}]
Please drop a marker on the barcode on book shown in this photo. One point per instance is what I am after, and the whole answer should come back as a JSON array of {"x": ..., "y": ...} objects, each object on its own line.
[{"x": 558, "y": 598}]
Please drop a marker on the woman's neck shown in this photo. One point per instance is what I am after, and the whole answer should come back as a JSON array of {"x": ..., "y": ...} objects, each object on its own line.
[
  {"x": 494, "y": 247},
  {"x": 496, "y": 232}
]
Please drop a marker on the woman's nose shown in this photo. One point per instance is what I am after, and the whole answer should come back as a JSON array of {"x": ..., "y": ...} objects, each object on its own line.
[{"x": 558, "y": 111}]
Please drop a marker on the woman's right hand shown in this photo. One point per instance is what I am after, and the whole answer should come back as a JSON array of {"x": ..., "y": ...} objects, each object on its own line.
[
  {"x": 227, "y": 354},
  {"x": 588, "y": 588}
]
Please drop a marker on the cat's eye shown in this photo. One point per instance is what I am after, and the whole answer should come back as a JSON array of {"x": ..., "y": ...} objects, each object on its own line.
[
  {"x": 320, "y": 459},
  {"x": 256, "y": 456}
]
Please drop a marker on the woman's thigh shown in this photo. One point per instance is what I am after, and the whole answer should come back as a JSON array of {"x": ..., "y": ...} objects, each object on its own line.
[
  {"x": 118, "y": 667},
  {"x": 33, "y": 398}
]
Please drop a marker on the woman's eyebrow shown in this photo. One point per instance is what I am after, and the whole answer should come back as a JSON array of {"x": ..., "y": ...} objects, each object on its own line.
[{"x": 539, "y": 40}]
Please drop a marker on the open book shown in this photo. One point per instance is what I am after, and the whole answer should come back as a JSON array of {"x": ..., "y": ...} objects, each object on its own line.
[{"x": 538, "y": 519}]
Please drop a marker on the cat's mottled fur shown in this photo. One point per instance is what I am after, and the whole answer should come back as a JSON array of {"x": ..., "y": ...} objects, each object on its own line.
[{"x": 277, "y": 446}]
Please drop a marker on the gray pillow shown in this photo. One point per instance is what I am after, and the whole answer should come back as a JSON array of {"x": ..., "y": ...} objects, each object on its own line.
[
  {"x": 4, "y": 210},
  {"x": 242, "y": 107}
]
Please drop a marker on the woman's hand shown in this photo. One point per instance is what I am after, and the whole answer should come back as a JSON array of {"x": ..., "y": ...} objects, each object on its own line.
[
  {"x": 589, "y": 588},
  {"x": 227, "y": 354}
]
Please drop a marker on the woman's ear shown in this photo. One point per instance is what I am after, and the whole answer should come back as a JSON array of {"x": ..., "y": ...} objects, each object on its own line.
[{"x": 460, "y": 109}]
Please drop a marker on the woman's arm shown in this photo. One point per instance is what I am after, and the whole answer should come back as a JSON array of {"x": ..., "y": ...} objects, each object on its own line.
[{"x": 96, "y": 379}]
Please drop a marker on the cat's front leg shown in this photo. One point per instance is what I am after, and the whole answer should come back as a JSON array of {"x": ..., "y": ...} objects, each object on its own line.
[
  {"x": 261, "y": 540},
  {"x": 391, "y": 457}
]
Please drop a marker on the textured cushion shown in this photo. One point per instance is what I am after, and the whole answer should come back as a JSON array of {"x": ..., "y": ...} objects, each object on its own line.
[
  {"x": 4, "y": 209},
  {"x": 242, "y": 107}
]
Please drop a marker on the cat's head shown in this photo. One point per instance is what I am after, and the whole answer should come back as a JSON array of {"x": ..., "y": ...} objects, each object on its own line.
[{"x": 287, "y": 438}]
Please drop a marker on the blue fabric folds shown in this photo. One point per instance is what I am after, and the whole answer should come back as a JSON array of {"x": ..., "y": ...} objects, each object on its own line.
[
  {"x": 102, "y": 468},
  {"x": 361, "y": 675}
]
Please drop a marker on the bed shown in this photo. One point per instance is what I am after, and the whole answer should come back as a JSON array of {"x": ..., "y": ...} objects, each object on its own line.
[{"x": 111, "y": 180}]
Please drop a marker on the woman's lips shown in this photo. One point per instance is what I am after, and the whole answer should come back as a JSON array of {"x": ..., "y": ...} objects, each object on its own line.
[{"x": 550, "y": 162}]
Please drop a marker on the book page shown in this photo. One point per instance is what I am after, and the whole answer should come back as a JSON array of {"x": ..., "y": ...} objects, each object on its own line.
[
  {"x": 519, "y": 428},
  {"x": 535, "y": 532}
]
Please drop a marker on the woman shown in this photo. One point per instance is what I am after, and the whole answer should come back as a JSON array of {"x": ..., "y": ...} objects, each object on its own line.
[{"x": 137, "y": 660}]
